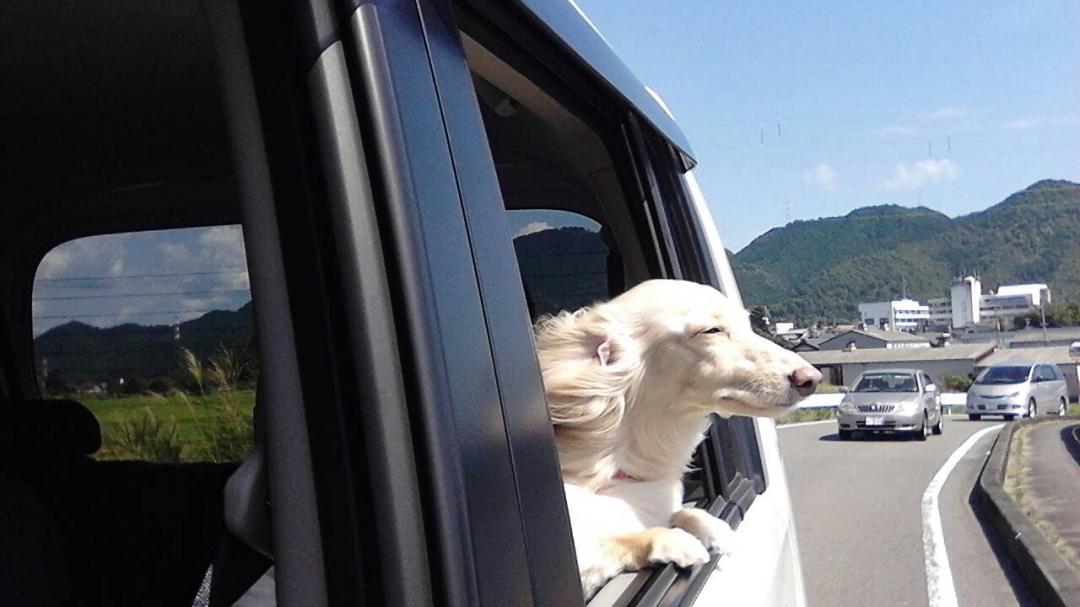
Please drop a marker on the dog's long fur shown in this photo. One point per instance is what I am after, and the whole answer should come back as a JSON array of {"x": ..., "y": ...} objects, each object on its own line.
[{"x": 630, "y": 384}]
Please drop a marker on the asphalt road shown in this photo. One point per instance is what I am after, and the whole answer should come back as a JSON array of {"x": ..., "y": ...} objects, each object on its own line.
[{"x": 859, "y": 521}]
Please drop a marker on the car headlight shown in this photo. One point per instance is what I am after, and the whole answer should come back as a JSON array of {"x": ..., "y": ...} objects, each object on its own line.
[
  {"x": 1013, "y": 395},
  {"x": 847, "y": 405}
]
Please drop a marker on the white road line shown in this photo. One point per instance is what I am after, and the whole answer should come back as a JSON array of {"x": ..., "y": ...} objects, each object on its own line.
[
  {"x": 939, "y": 580},
  {"x": 824, "y": 421}
]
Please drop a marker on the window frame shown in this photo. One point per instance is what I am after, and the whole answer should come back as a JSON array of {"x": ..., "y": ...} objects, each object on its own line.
[{"x": 655, "y": 177}]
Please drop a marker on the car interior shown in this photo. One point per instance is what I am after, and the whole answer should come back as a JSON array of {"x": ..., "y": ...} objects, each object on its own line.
[{"x": 99, "y": 139}]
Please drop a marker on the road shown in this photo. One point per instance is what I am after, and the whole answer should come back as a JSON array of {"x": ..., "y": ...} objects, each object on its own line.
[{"x": 859, "y": 520}]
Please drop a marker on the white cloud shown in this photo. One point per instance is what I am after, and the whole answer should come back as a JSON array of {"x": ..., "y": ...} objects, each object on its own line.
[
  {"x": 822, "y": 176},
  {"x": 915, "y": 174},
  {"x": 897, "y": 129},
  {"x": 1021, "y": 124},
  {"x": 945, "y": 113},
  {"x": 54, "y": 264},
  {"x": 533, "y": 227}
]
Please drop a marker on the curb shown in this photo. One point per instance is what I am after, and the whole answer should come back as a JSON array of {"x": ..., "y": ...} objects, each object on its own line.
[{"x": 1049, "y": 577}]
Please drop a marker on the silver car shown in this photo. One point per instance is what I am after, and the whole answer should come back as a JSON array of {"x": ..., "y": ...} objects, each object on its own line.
[
  {"x": 1018, "y": 389},
  {"x": 891, "y": 400}
]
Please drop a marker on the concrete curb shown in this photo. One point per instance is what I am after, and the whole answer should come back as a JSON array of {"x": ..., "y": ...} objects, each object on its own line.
[{"x": 1050, "y": 578}]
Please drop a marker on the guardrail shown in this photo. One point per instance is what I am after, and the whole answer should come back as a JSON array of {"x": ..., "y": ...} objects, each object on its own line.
[{"x": 832, "y": 401}]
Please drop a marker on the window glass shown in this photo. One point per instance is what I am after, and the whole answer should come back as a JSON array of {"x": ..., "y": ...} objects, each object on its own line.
[
  {"x": 566, "y": 260},
  {"x": 153, "y": 332},
  {"x": 1004, "y": 375},
  {"x": 887, "y": 382}
]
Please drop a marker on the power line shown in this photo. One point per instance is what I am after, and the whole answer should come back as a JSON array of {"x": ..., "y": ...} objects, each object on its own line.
[
  {"x": 129, "y": 295},
  {"x": 133, "y": 276}
]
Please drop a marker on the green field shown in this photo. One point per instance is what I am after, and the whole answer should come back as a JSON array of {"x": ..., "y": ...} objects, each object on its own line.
[{"x": 177, "y": 427}]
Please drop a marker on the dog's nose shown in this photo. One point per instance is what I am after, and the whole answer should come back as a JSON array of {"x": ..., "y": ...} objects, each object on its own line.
[{"x": 805, "y": 380}]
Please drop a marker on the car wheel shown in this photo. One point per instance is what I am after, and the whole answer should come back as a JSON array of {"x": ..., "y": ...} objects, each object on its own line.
[
  {"x": 974, "y": 417},
  {"x": 1032, "y": 409},
  {"x": 1008, "y": 418},
  {"x": 844, "y": 434},
  {"x": 924, "y": 430},
  {"x": 1063, "y": 407},
  {"x": 940, "y": 425}
]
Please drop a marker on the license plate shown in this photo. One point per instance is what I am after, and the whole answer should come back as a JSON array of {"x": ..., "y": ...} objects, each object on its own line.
[{"x": 875, "y": 421}]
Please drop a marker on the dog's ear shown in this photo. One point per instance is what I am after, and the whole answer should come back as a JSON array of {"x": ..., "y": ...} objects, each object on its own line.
[{"x": 603, "y": 352}]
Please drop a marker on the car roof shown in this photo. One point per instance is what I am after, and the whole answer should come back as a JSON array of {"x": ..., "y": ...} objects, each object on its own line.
[{"x": 896, "y": 371}]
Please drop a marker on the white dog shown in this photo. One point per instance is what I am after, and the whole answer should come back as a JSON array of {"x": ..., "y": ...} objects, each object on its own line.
[{"x": 630, "y": 384}]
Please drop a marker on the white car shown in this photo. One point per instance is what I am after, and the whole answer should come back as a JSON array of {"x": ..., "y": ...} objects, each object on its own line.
[{"x": 1018, "y": 389}]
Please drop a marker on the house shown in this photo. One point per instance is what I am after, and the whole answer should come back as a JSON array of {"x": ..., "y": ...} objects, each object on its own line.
[
  {"x": 862, "y": 338},
  {"x": 841, "y": 367},
  {"x": 1057, "y": 355}
]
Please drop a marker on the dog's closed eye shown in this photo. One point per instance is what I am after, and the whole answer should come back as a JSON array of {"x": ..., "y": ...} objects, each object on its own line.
[{"x": 712, "y": 331}]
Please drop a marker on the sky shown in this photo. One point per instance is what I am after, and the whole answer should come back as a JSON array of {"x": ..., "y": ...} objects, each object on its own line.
[
  {"x": 148, "y": 278},
  {"x": 812, "y": 109}
]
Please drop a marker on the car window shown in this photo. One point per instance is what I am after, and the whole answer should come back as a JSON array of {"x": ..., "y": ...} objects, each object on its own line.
[
  {"x": 887, "y": 382},
  {"x": 1004, "y": 375},
  {"x": 567, "y": 260},
  {"x": 153, "y": 332}
]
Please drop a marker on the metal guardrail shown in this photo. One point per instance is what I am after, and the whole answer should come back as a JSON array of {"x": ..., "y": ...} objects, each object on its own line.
[{"x": 832, "y": 401}]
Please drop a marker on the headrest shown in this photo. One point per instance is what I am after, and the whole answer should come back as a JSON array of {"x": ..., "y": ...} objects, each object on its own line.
[{"x": 49, "y": 427}]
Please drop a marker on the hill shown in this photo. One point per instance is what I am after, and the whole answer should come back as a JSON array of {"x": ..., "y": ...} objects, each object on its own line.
[
  {"x": 73, "y": 352},
  {"x": 823, "y": 268}
]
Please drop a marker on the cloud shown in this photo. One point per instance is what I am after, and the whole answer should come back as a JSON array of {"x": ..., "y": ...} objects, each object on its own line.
[
  {"x": 944, "y": 113},
  {"x": 1021, "y": 124},
  {"x": 896, "y": 129},
  {"x": 533, "y": 227},
  {"x": 915, "y": 174},
  {"x": 822, "y": 176}
]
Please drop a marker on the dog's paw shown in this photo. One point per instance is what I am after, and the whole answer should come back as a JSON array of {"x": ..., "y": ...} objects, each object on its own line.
[
  {"x": 679, "y": 547},
  {"x": 711, "y": 531}
]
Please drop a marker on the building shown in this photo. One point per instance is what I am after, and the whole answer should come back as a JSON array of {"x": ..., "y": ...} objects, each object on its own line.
[
  {"x": 966, "y": 299},
  {"x": 870, "y": 338},
  {"x": 1056, "y": 355},
  {"x": 968, "y": 307},
  {"x": 1012, "y": 300},
  {"x": 897, "y": 315},
  {"x": 940, "y": 312},
  {"x": 842, "y": 367}
]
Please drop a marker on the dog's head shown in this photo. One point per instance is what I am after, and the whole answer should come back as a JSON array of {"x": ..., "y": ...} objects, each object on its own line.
[{"x": 680, "y": 340}]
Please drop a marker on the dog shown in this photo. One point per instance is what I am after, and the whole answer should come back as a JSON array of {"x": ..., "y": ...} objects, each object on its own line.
[{"x": 630, "y": 385}]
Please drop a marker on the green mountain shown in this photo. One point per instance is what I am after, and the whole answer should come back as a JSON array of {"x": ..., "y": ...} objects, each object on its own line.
[
  {"x": 824, "y": 268},
  {"x": 78, "y": 353}
]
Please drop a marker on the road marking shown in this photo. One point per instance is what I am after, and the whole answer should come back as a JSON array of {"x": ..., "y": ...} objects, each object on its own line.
[
  {"x": 939, "y": 581},
  {"x": 824, "y": 421}
]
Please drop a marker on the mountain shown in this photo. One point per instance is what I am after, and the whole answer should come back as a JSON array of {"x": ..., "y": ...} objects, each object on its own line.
[
  {"x": 825, "y": 267},
  {"x": 79, "y": 353}
]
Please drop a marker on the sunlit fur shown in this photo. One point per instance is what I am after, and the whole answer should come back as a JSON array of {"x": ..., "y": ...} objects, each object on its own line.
[{"x": 630, "y": 384}]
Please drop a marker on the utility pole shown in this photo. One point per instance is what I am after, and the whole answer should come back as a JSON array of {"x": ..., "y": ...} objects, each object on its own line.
[{"x": 1042, "y": 313}]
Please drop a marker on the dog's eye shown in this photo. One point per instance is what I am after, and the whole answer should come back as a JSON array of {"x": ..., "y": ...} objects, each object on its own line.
[{"x": 711, "y": 331}]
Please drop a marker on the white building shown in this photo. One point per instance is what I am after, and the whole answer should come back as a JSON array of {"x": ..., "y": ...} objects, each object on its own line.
[
  {"x": 968, "y": 306},
  {"x": 966, "y": 301},
  {"x": 897, "y": 315}
]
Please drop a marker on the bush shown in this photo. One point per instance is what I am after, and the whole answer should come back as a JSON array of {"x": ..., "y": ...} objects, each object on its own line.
[
  {"x": 144, "y": 438},
  {"x": 956, "y": 382}
]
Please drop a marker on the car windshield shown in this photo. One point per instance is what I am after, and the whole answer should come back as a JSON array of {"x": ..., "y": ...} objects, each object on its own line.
[
  {"x": 887, "y": 382},
  {"x": 1004, "y": 375}
]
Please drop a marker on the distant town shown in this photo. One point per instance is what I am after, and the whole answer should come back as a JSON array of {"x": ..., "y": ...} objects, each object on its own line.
[{"x": 951, "y": 338}]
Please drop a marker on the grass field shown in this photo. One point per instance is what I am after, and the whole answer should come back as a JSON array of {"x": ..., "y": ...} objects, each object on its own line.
[{"x": 177, "y": 427}]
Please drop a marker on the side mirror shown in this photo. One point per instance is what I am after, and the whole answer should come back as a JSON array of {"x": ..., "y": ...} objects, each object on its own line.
[
  {"x": 931, "y": 388},
  {"x": 843, "y": 389}
]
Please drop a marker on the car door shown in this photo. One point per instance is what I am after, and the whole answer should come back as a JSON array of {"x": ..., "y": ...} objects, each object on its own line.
[{"x": 931, "y": 398}]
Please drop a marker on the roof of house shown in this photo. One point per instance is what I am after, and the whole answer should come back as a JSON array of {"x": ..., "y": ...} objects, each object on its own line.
[
  {"x": 899, "y": 355},
  {"x": 886, "y": 336},
  {"x": 1058, "y": 355}
]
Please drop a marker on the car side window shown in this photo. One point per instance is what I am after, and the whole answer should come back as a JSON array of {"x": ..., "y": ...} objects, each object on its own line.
[{"x": 153, "y": 332}]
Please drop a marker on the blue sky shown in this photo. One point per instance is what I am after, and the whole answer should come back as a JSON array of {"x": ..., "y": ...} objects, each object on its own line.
[
  {"x": 148, "y": 278},
  {"x": 861, "y": 90}
]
